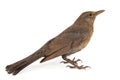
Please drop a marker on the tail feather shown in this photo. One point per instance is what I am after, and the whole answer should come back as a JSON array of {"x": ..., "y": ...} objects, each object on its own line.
[{"x": 18, "y": 66}]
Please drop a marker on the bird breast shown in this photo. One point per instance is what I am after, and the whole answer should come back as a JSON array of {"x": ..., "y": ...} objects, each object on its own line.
[{"x": 83, "y": 43}]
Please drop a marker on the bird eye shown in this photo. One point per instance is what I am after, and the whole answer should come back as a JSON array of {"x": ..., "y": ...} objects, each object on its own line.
[{"x": 90, "y": 14}]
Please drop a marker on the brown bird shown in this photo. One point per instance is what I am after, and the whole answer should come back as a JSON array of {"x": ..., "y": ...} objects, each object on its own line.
[{"x": 71, "y": 40}]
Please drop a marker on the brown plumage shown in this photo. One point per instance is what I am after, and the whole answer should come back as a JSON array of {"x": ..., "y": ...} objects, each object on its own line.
[{"x": 71, "y": 40}]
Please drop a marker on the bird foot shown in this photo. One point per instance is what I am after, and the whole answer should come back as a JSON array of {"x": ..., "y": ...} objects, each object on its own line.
[
  {"x": 71, "y": 61},
  {"x": 79, "y": 67},
  {"x": 74, "y": 63}
]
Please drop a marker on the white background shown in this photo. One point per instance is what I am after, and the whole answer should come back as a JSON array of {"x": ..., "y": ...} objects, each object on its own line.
[{"x": 25, "y": 25}]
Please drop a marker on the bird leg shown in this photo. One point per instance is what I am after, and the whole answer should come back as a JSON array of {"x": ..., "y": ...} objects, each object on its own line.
[{"x": 73, "y": 62}]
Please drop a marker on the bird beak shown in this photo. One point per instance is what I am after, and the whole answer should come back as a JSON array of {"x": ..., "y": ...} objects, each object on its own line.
[{"x": 99, "y": 12}]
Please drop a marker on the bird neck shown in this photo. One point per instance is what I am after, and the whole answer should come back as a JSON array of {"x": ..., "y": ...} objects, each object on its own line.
[{"x": 81, "y": 20}]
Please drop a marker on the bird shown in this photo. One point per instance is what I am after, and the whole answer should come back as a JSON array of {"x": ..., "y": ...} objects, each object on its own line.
[{"x": 70, "y": 41}]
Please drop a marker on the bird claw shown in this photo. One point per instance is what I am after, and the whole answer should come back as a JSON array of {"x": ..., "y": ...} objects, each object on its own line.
[
  {"x": 83, "y": 67},
  {"x": 79, "y": 67},
  {"x": 73, "y": 61},
  {"x": 70, "y": 66},
  {"x": 65, "y": 62}
]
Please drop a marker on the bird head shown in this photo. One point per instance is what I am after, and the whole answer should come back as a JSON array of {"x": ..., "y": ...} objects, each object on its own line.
[{"x": 89, "y": 16}]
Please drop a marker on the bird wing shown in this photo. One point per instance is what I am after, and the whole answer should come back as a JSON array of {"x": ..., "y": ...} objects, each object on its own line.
[
  {"x": 57, "y": 47},
  {"x": 63, "y": 43}
]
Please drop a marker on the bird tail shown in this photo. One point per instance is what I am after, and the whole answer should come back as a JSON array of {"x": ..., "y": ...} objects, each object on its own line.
[{"x": 19, "y": 65}]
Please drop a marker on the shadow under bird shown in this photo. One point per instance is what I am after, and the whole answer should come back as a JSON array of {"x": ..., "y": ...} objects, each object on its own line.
[{"x": 71, "y": 40}]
